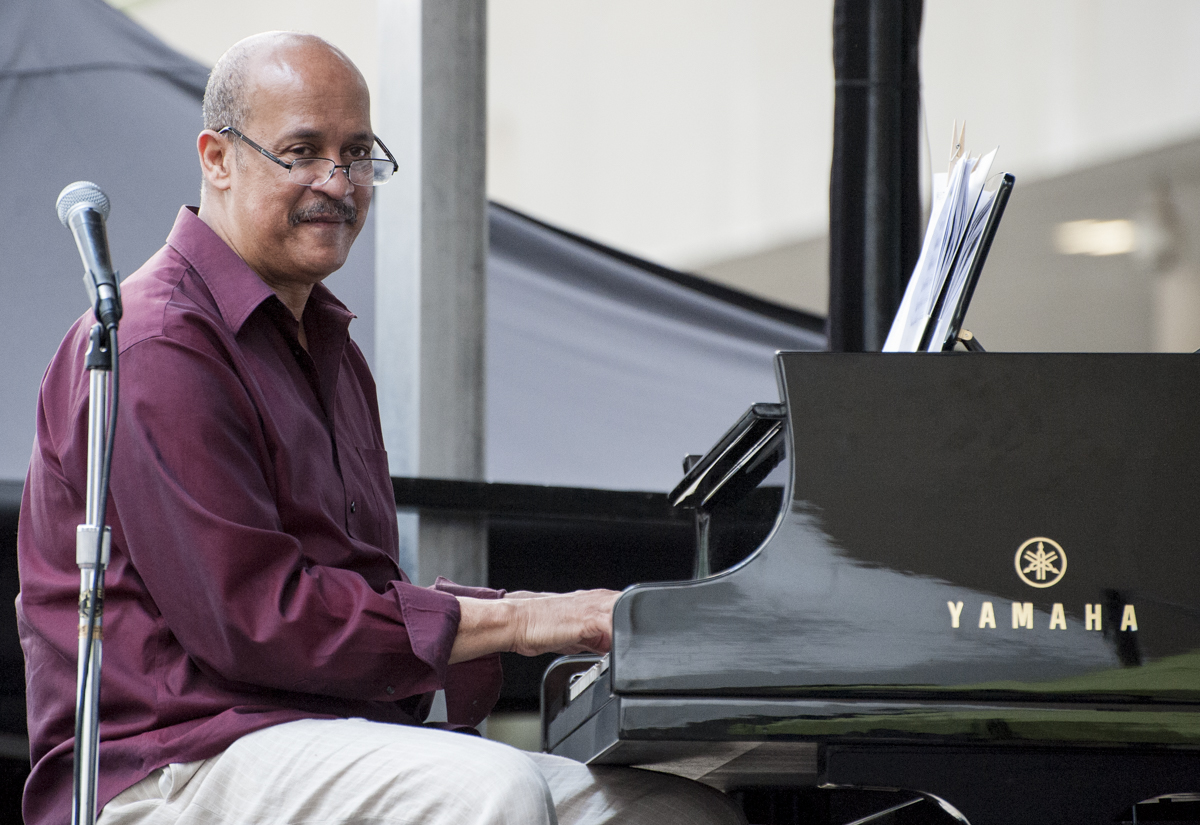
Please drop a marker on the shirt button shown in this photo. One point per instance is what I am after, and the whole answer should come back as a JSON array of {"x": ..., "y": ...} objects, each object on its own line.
[
  {"x": 390, "y": 690},
  {"x": 353, "y": 506}
]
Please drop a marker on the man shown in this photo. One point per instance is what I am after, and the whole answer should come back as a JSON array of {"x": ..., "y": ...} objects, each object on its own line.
[{"x": 268, "y": 661}]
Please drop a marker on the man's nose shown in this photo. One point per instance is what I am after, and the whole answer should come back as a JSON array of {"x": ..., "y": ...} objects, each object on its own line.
[{"x": 338, "y": 186}]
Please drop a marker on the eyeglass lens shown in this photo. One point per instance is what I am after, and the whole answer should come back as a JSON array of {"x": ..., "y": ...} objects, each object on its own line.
[{"x": 316, "y": 171}]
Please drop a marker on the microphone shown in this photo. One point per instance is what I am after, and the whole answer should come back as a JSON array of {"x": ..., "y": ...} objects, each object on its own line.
[{"x": 83, "y": 208}]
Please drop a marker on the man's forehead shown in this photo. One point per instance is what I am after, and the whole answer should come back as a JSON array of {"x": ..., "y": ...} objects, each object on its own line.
[
  {"x": 290, "y": 65},
  {"x": 300, "y": 88}
]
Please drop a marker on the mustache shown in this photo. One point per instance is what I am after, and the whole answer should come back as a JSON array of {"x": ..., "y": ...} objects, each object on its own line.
[{"x": 348, "y": 212}]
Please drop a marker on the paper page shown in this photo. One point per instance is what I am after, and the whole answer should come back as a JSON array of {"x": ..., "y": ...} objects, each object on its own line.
[
  {"x": 962, "y": 268},
  {"x": 955, "y": 247},
  {"x": 980, "y": 168},
  {"x": 930, "y": 271}
]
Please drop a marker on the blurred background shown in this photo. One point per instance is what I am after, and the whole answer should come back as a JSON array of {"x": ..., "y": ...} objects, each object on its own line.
[{"x": 698, "y": 133}]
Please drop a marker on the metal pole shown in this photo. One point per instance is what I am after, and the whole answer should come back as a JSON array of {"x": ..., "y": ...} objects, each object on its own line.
[
  {"x": 430, "y": 251},
  {"x": 846, "y": 186},
  {"x": 92, "y": 558}
]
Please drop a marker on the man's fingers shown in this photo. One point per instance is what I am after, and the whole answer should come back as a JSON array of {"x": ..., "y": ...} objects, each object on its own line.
[{"x": 578, "y": 622}]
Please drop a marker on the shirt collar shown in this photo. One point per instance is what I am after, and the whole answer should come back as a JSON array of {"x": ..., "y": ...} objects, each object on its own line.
[{"x": 235, "y": 287}]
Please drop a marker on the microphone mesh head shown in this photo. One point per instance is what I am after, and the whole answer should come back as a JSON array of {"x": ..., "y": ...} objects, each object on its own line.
[{"x": 81, "y": 192}]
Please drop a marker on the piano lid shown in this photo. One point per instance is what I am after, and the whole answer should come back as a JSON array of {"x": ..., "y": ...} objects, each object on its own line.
[{"x": 934, "y": 501}]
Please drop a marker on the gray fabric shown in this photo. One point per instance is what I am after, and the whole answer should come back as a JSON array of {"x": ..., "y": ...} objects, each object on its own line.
[
  {"x": 59, "y": 37},
  {"x": 601, "y": 372},
  {"x": 84, "y": 94}
]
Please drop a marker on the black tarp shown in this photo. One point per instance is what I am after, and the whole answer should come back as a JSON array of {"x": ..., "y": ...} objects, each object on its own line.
[{"x": 603, "y": 371}]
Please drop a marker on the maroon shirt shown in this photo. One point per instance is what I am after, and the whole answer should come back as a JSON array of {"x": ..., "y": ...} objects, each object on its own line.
[{"x": 254, "y": 575}]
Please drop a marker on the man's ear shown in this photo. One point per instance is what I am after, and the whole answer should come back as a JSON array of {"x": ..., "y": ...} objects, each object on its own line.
[{"x": 216, "y": 159}]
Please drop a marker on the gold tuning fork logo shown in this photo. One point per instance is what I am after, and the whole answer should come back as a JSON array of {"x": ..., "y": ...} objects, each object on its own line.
[{"x": 1041, "y": 562}]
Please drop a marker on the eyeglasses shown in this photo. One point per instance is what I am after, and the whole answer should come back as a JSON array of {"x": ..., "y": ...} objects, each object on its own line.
[{"x": 318, "y": 171}]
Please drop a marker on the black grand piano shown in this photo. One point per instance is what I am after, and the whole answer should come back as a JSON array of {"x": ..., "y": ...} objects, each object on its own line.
[{"x": 966, "y": 582}]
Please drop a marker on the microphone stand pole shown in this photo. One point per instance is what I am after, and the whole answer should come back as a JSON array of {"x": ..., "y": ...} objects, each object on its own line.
[{"x": 92, "y": 555}]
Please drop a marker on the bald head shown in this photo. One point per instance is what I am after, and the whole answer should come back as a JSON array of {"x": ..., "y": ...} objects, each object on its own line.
[{"x": 228, "y": 97}]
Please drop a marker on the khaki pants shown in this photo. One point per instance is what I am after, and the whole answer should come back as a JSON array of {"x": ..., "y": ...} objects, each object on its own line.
[{"x": 330, "y": 772}]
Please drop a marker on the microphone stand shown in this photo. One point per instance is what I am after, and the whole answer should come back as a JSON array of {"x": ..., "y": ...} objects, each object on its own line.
[{"x": 92, "y": 548}]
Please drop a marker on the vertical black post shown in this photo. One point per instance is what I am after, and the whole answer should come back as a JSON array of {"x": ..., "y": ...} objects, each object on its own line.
[
  {"x": 847, "y": 175},
  {"x": 881, "y": 191},
  {"x": 874, "y": 196}
]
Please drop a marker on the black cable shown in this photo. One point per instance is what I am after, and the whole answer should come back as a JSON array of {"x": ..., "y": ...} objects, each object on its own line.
[{"x": 97, "y": 569}]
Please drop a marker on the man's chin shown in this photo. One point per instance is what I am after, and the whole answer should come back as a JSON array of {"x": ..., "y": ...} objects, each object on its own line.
[
  {"x": 324, "y": 246},
  {"x": 320, "y": 262}
]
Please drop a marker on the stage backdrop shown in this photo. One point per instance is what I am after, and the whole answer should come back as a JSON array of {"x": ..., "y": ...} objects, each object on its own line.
[{"x": 602, "y": 370}]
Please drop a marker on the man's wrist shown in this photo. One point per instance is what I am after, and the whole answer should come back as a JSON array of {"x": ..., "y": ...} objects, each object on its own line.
[{"x": 485, "y": 626}]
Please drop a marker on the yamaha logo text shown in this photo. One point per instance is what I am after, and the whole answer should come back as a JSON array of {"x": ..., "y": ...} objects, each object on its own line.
[{"x": 1041, "y": 562}]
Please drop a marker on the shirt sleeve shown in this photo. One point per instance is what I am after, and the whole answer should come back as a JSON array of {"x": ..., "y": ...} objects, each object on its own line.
[{"x": 193, "y": 504}]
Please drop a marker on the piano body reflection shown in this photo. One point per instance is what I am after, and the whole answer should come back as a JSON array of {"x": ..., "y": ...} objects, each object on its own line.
[{"x": 971, "y": 576}]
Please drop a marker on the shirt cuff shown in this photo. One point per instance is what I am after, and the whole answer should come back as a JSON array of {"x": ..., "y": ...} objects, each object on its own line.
[
  {"x": 472, "y": 688},
  {"x": 431, "y": 619}
]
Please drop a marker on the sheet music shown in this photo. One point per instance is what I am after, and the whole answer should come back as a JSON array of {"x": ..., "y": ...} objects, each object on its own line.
[
  {"x": 913, "y": 315},
  {"x": 952, "y": 238},
  {"x": 958, "y": 278}
]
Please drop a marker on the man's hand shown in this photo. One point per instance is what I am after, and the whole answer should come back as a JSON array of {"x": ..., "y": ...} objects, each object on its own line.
[
  {"x": 578, "y": 622},
  {"x": 533, "y": 623}
]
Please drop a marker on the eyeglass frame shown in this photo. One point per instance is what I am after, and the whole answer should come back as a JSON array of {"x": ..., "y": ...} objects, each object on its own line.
[{"x": 336, "y": 166}]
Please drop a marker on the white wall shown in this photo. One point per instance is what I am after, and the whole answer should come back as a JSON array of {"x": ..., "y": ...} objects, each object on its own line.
[
  {"x": 682, "y": 129},
  {"x": 204, "y": 29},
  {"x": 1062, "y": 84},
  {"x": 700, "y": 130}
]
